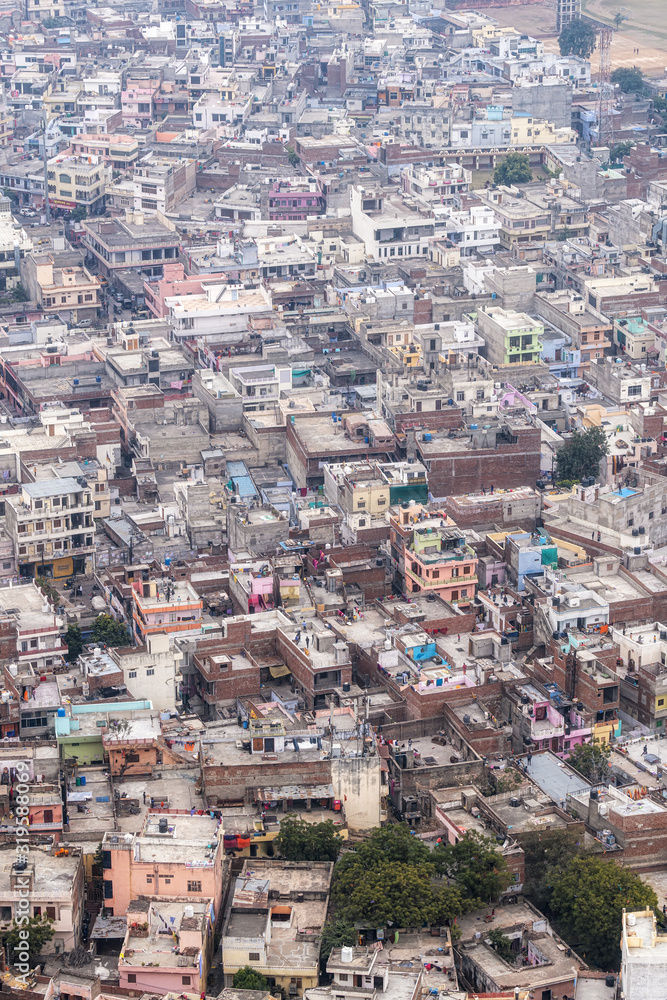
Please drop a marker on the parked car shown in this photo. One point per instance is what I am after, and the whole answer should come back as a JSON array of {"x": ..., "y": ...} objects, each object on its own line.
[{"x": 84, "y": 323}]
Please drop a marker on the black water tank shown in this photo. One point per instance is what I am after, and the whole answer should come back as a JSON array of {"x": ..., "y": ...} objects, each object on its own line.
[{"x": 610, "y": 980}]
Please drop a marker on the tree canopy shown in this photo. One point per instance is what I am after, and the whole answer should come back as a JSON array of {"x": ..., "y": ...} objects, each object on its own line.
[
  {"x": 515, "y": 169},
  {"x": 630, "y": 80},
  {"x": 40, "y": 930},
  {"x": 591, "y": 760},
  {"x": 475, "y": 866},
  {"x": 547, "y": 854},
  {"x": 588, "y": 901},
  {"x": 110, "y": 631},
  {"x": 392, "y": 878},
  {"x": 619, "y": 150},
  {"x": 577, "y": 38},
  {"x": 581, "y": 455},
  {"x": 302, "y": 841},
  {"x": 74, "y": 642},
  {"x": 336, "y": 933},
  {"x": 248, "y": 978}
]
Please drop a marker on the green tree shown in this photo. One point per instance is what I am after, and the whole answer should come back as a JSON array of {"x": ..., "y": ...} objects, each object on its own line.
[
  {"x": 108, "y": 630},
  {"x": 292, "y": 157},
  {"x": 475, "y": 866},
  {"x": 336, "y": 933},
  {"x": 515, "y": 169},
  {"x": 395, "y": 893},
  {"x": 40, "y": 930},
  {"x": 387, "y": 843},
  {"x": 19, "y": 293},
  {"x": 78, "y": 213},
  {"x": 581, "y": 455},
  {"x": 631, "y": 81},
  {"x": 502, "y": 944},
  {"x": 619, "y": 150},
  {"x": 591, "y": 760},
  {"x": 74, "y": 642},
  {"x": 547, "y": 854},
  {"x": 302, "y": 841},
  {"x": 577, "y": 38},
  {"x": 588, "y": 901},
  {"x": 248, "y": 978}
]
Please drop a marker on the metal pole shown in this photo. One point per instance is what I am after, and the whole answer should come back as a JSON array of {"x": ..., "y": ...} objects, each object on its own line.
[{"x": 47, "y": 210}]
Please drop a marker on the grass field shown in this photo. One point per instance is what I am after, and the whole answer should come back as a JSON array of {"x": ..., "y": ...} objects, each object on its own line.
[{"x": 645, "y": 29}]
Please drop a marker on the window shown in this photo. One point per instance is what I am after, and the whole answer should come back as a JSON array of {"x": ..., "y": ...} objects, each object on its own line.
[
  {"x": 48, "y": 818},
  {"x": 150, "y": 672},
  {"x": 131, "y": 977},
  {"x": 634, "y": 390},
  {"x": 253, "y": 956},
  {"x": 51, "y": 912},
  {"x": 661, "y": 702},
  {"x": 185, "y": 980},
  {"x": 149, "y": 878},
  {"x": 132, "y": 674},
  {"x": 460, "y": 397},
  {"x": 196, "y": 887}
]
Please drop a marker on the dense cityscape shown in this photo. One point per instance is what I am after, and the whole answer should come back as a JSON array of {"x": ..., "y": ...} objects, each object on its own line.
[{"x": 333, "y": 508}]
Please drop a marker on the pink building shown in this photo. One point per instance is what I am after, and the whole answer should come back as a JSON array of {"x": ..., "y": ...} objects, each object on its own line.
[
  {"x": 299, "y": 198},
  {"x": 173, "y": 282},
  {"x": 167, "y": 947},
  {"x": 175, "y": 856},
  {"x": 137, "y": 107}
]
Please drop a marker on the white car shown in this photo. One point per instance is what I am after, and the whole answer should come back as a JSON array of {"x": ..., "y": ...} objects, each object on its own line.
[{"x": 83, "y": 323}]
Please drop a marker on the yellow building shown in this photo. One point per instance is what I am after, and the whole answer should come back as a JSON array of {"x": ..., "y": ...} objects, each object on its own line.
[
  {"x": 367, "y": 496},
  {"x": 409, "y": 354},
  {"x": 63, "y": 100},
  {"x": 60, "y": 290},
  {"x": 77, "y": 182}
]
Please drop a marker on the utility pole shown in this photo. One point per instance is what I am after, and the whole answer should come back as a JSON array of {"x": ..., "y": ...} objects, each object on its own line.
[{"x": 47, "y": 210}]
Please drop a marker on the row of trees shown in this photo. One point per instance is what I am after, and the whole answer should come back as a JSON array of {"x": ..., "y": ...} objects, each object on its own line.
[{"x": 394, "y": 879}]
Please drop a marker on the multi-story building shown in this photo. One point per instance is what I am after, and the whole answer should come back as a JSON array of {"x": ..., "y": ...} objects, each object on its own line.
[
  {"x": 15, "y": 244},
  {"x": 174, "y": 856},
  {"x": 143, "y": 962},
  {"x": 137, "y": 106},
  {"x": 388, "y": 228},
  {"x": 221, "y": 308},
  {"x": 163, "y": 606},
  {"x": 266, "y": 933},
  {"x": 510, "y": 337},
  {"x": 520, "y": 220},
  {"x": 473, "y": 230},
  {"x": 121, "y": 151},
  {"x": 260, "y": 386},
  {"x": 441, "y": 185},
  {"x": 54, "y": 881},
  {"x": 162, "y": 184},
  {"x": 69, "y": 292},
  {"x": 438, "y": 560},
  {"x": 298, "y": 198},
  {"x": 134, "y": 242},
  {"x": 52, "y": 527},
  {"x": 77, "y": 182}
]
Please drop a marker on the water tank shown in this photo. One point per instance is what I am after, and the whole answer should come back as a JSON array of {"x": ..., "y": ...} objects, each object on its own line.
[
  {"x": 346, "y": 686},
  {"x": 610, "y": 980},
  {"x": 83, "y": 779},
  {"x": 631, "y": 919},
  {"x": 188, "y": 911},
  {"x": 428, "y": 437},
  {"x": 61, "y": 713},
  {"x": 162, "y": 824},
  {"x": 346, "y": 953}
]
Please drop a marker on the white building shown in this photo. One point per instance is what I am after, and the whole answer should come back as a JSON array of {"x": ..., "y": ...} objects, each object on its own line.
[
  {"x": 221, "y": 309},
  {"x": 473, "y": 230},
  {"x": 388, "y": 227},
  {"x": 644, "y": 957}
]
